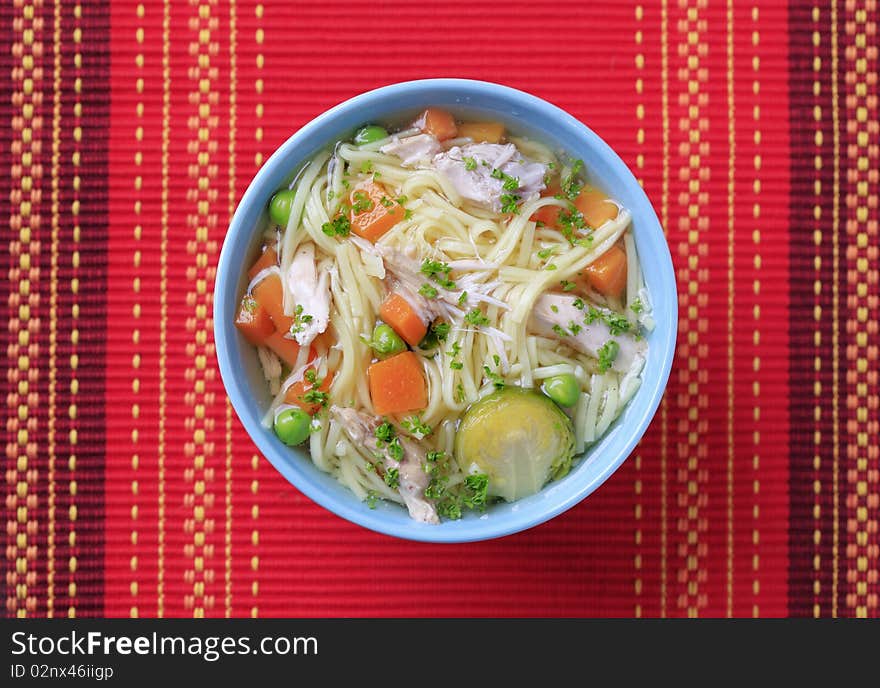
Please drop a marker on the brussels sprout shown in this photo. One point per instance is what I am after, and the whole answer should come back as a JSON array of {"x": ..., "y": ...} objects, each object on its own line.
[{"x": 519, "y": 438}]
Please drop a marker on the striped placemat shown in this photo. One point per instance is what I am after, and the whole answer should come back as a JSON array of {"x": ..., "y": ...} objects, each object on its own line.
[{"x": 131, "y": 131}]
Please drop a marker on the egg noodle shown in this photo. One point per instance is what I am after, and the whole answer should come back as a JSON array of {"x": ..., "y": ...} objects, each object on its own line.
[{"x": 510, "y": 261}]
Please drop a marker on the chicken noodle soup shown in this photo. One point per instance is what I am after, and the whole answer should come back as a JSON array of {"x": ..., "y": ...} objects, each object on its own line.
[{"x": 446, "y": 315}]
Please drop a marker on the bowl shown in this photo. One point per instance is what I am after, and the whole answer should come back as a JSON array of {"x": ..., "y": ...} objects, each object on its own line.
[{"x": 239, "y": 366}]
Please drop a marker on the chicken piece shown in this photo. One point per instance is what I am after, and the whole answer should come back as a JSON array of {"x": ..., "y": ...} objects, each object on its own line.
[
  {"x": 311, "y": 296},
  {"x": 413, "y": 149},
  {"x": 555, "y": 312},
  {"x": 470, "y": 168},
  {"x": 413, "y": 480}
]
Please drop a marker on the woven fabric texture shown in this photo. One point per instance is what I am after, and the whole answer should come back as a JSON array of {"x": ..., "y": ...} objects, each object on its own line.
[{"x": 130, "y": 131}]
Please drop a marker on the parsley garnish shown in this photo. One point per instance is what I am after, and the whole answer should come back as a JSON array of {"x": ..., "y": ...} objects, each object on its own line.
[
  {"x": 462, "y": 299},
  {"x": 362, "y": 203},
  {"x": 338, "y": 226},
  {"x": 566, "y": 285},
  {"x": 607, "y": 353},
  {"x": 385, "y": 432},
  {"x": 493, "y": 376},
  {"x": 571, "y": 183},
  {"x": 475, "y": 317},
  {"x": 386, "y": 202},
  {"x": 300, "y": 320},
  {"x": 314, "y": 396},
  {"x": 366, "y": 166},
  {"x": 509, "y": 183},
  {"x": 508, "y": 203},
  {"x": 428, "y": 291},
  {"x": 476, "y": 493},
  {"x": 455, "y": 364},
  {"x": 392, "y": 478},
  {"x": 439, "y": 272},
  {"x": 545, "y": 253},
  {"x": 415, "y": 427},
  {"x": 637, "y": 306},
  {"x": 441, "y": 330},
  {"x": 469, "y": 164},
  {"x": 459, "y": 393}
]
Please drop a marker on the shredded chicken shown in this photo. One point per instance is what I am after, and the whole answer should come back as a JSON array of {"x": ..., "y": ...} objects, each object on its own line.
[
  {"x": 311, "y": 294},
  {"x": 413, "y": 150},
  {"x": 558, "y": 311},
  {"x": 413, "y": 480},
  {"x": 470, "y": 168}
]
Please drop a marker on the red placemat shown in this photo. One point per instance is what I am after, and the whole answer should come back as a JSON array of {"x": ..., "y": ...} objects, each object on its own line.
[{"x": 134, "y": 128}]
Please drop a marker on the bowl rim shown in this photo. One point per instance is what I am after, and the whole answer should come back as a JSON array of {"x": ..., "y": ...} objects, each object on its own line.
[{"x": 228, "y": 275}]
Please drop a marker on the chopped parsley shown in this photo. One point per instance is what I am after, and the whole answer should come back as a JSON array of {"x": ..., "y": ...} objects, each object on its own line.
[
  {"x": 462, "y": 299},
  {"x": 392, "y": 478},
  {"x": 477, "y": 487},
  {"x": 637, "y": 306},
  {"x": 607, "y": 353},
  {"x": 315, "y": 396},
  {"x": 566, "y": 285},
  {"x": 338, "y": 226},
  {"x": 454, "y": 351},
  {"x": 578, "y": 303},
  {"x": 362, "y": 202},
  {"x": 300, "y": 320},
  {"x": 571, "y": 183},
  {"x": 508, "y": 203},
  {"x": 545, "y": 253},
  {"x": 570, "y": 222},
  {"x": 617, "y": 324},
  {"x": 459, "y": 393},
  {"x": 439, "y": 272},
  {"x": 385, "y": 432},
  {"x": 372, "y": 499},
  {"x": 428, "y": 291},
  {"x": 366, "y": 166},
  {"x": 559, "y": 330},
  {"x": 550, "y": 266},
  {"x": 415, "y": 427},
  {"x": 438, "y": 332},
  {"x": 386, "y": 202},
  {"x": 574, "y": 328},
  {"x": 508, "y": 183},
  {"x": 469, "y": 163},
  {"x": 492, "y": 375},
  {"x": 475, "y": 317}
]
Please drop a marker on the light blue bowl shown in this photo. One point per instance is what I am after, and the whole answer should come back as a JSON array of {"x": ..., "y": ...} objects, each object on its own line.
[{"x": 240, "y": 368}]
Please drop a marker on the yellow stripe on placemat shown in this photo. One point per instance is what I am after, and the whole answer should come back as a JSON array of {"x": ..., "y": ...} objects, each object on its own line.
[
  {"x": 693, "y": 174},
  {"x": 861, "y": 478},
  {"x": 24, "y": 323},
  {"x": 664, "y": 409},
  {"x": 202, "y": 196},
  {"x": 756, "y": 315},
  {"x": 163, "y": 294},
  {"x": 53, "y": 304},
  {"x": 233, "y": 113},
  {"x": 731, "y": 282},
  {"x": 818, "y": 287},
  {"x": 137, "y": 207},
  {"x": 640, "y": 163}
]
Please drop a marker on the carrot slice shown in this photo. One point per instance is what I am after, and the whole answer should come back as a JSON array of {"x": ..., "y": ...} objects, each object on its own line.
[
  {"x": 440, "y": 123},
  {"x": 286, "y": 349},
  {"x": 269, "y": 295},
  {"x": 607, "y": 274},
  {"x": 373, "y": 211},
  {"x": 397, "y": 312},
  {"x": 549, "y": 214},
  {"x": 253, "y": 320},
  {"x": 266, "y": 260},
  {"x": 296, "y": 393},
  {"x": 595, "y": 206},
  {"x": 397, "y": 384},
  {"x": 482, "y": 132}
]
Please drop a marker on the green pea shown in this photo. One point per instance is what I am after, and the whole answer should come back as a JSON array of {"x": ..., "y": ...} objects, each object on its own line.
[
  {"x": 369, "y": 134},
  {"x": 386, "y": 341},
  {"x": 292, "y": 426},
  {"x": 279, "y": 206},
  {"x": 563, "y": 389}
]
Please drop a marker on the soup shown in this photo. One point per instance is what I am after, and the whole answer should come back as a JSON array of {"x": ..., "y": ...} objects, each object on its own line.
[{"x": 446, "y": 314}]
